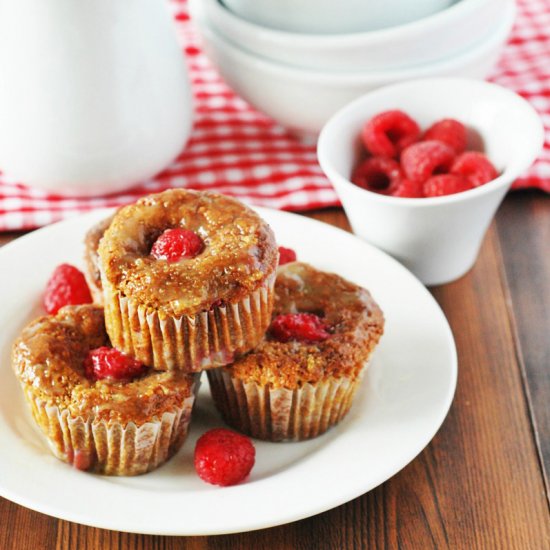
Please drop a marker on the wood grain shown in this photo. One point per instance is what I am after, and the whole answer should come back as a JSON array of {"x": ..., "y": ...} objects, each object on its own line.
[
  {"x": 524, "y": 230},
  {"x": 478, "y": 485},
  {"x": 5, "y": 238}
]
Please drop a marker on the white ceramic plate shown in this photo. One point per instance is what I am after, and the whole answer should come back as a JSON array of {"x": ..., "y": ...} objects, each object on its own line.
[{"x": 403, "y": 401}]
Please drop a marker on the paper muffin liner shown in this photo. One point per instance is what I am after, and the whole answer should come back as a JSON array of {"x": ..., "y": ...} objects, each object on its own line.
[
  {"x": 279, "y": 414},
  {"x": 91, "y": 258},
  {"x": 95, "y": 290},
  {"x": 190, "y": 343},
  {"x": 109, "y": 447}
]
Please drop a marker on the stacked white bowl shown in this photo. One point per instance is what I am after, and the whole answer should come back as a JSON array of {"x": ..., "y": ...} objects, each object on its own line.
[{"x": 299, "y": 61}]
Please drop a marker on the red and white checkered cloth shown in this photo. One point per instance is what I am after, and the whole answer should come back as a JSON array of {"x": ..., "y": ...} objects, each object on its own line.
[{"x": 240, "y": 152}]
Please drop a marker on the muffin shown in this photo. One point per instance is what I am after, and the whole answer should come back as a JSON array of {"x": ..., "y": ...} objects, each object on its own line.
[
  {"x": 187, "y": 279},
  {"x": 91, "y": 258},
  {"x": 302, "y": 377},
  {"x": 114, "y": 422}
]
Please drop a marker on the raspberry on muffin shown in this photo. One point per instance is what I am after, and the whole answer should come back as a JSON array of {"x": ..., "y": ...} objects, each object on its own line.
[
  {"x": 117, "y": 418},
  {"x": 106, "y": 362},
  {"x": 187, "y": 279},
  {"x": 302, "y": 377},
  {"x": 176, "y": 244},
  {"x": 302, "y": 327}
]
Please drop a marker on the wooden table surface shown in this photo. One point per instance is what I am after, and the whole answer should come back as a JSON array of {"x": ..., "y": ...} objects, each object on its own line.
[{"x": 483, "y": 480}]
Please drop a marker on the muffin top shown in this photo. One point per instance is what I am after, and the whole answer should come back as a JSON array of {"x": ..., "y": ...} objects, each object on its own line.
[
  {"x": 237, "y": 255},
  {"x": 48, "y": 359},
  {"x": 352, "y": 326},
  {"x": 91, "y": 244}
]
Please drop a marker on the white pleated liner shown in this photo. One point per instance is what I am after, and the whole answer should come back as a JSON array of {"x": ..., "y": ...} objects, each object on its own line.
[
  {"x": 190, "y": 343},
  {"x": 95, "y": 291},
  {"x": 281, "y": 414},
  {"x": 109, "y": 447}
]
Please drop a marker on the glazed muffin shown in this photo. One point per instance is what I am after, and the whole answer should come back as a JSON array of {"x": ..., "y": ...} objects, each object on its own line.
[
  {"x": 187, "y": 279},
  {"x": 302, "y": 377},
  {"x": 98, "y": 409},
  {"x": 91, "y": 258}
]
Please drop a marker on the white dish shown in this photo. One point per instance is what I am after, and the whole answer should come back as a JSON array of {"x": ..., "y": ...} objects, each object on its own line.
[
  {"x": 304, "y": 100},
  {"x": 328, "y": 16},
  {"x": 440, "y": 36},
  {"x": 438, "y": 239},
  {"x": 403, "y": 401}
]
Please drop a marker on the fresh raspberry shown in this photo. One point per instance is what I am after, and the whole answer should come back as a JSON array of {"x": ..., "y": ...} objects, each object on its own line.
[
  {"x": 388, "y": 133},
  {"x": 406, "y": 188},
  {"x": 425, "y": 159},
  {"x": 66, "y": 286},
  {"x": 224, "y": 457},
  {"x": 286, "y": 255},
  {"x": 449, "y": 131},
  {"x": 377, "y": 174},
  {"x": 445, "y": 184},
  {"x": 475, "y": 167},
  {"x": 306, "y": 327},
  {"x": 175, "y": 244},
  {"x": 107, "y": 362}
]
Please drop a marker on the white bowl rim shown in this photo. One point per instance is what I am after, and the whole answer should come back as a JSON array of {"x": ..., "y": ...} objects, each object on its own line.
[
  {"x": 509, "y": 174},
  {"x": 314, "y": 76},
  {"x": 315, "y": 40}
]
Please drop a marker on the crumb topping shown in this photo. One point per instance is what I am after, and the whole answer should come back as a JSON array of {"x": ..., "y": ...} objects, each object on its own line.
[
  {"x": 48, "y": 359},
  {"x": 356, "y": 325},
  {"x": 239, "y": 251}
]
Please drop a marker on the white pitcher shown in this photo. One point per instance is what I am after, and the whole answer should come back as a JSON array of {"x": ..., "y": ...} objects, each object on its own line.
[{"x": 94, "y": 94}]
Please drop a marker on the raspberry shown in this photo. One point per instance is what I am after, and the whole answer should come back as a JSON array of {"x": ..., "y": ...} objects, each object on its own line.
[
  {"x": 66, "y": 286},
  {"x": 286, "y": 255},
  {"x": 224, "y": 457},
  {"x": 175, "y": 244},
  {"x": 475, "y": 167},
  {"x": 107, "y": 362},
  {"x": 406, "y": 188},
  {"x": 377, "y": 174},
  {"x": 306, "y": 327},
  {"x": 449, "y": 131},
  {"x": 445, "y": 184},
  {"x": 425, "y": 159},
  {"x": 388, "y": 133}
]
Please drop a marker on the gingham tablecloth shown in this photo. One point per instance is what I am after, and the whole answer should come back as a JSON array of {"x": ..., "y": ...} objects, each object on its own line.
[{"x": 241, "y": 152}]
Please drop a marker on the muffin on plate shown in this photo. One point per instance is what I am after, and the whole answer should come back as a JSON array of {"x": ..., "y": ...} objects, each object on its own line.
[
  {"x": 99, "y": 409},
  {"x": 91, "y": 258},
  {"x": 302, "y": 378},
  {"x": 187, "y": 279}
]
